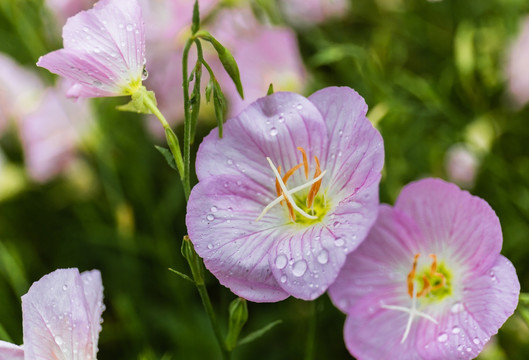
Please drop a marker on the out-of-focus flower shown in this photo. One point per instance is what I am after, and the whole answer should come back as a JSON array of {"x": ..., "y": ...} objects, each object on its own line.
[
  {"x": 51, "y": 133},
  {"x": 265, "y": 55},
  {"x": 104, "y": 50},
  {"x": 20, "y": 90},
  {"x": 63, "y": 9},
  {"x": 517, "y": 74},
  {"x": 308, "y": 12},
  {"x": 286, "y": 194},
  {"x": 61, "y": 317},
  {"x": 429, "y": 281},
  {"x": 461, "y": 165}
]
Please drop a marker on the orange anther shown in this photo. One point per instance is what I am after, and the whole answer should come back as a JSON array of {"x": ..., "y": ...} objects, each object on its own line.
[
  {"x": 411, "y": 275},
  {"x": 433, "y": 269},
  {"x": 290, "y": 172},
  {"x": 278, "y": 188},
  {"x": 425, "y": 288},
  {"x": 305, "y": 162},
  {"x": 316, "y": 186}
]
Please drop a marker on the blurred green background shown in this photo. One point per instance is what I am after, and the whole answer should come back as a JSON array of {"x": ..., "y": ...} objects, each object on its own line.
[{"x": 433, "y": 76}]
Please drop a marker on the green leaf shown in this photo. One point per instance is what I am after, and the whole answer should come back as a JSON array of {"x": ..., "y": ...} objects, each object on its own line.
[
  {"x": 167, "y": 155},
  {"x": 138, "y": 101},
  {"x": 270, "y": 89},
  {"x": 258, "y": 333},
  {"x": 182, "y": 275},
  {"x": 196, "y": 19},
  {"x": 226, "y": 58}
]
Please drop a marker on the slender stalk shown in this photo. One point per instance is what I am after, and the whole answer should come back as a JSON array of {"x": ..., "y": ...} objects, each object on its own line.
[
  {"x": 226, "y": 355},
  {"x": 172, "y": 140},
  {"x": 187, "y": 120},
  {"x": 311, "y": 333}
]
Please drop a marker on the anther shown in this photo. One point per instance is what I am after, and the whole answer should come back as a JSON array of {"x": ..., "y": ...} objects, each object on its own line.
[{"x": 305, "y": 162}]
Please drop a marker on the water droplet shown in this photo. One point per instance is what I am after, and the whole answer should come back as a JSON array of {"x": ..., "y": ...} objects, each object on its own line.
[
  {"x": 456, "y": 330},
  {"x": 340, "y": 132},
  {"x": 65, "y": 287},
  {"x": 97, "y": 50},
  {"x": 336, "y": 224},
  {"x": 281, "y": 261},
  {"x": 210, "y": 246},
  {"x": 339, "y": 242},
  {"x": 281, "y": 118},
  {"x": 144, "y": 74},
  {"x": 476, "y": 341},
  {"x": 214, "y": 209},
  {"x": 299, "y": 268},
  {"x": 273, "y": 131},
  {"x": 323, "y": 257},
  {"x": 229, "y": 162},
  {"x": 492, "y": 276},
  {"x": 460, "y": 348},
  {"x": 468, "y": 349},
  {"x": 122, "y": 44},
  {"x": 85, "y": 29},
  {"x": 239, "y": 182},
  {"x": 210, "y": 217},
  {"x": 58, "y": 340},
  {"x": 121, "y": 26},
  {"x": 283, "y": 279},
  {"x": 97, "y": 83},
  {"x": 299, "y": 107},
  {"x": 442, "y": 337},
  {"x": 457, "y": 307}
]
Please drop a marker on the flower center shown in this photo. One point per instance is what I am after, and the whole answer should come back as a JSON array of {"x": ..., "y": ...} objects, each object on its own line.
[
  {"x": 434, "y": 281},
  {"x": 310, "y": 206}
]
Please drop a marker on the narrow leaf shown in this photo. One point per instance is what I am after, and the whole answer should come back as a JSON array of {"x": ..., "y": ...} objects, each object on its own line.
[
  {"x": 219, "y": 103},
  {"x": 196, "y": 100},
  {"x": 258, "y": 333},
  {"x": 182, "y": 275},
  {"x": 167, "y": 155}
]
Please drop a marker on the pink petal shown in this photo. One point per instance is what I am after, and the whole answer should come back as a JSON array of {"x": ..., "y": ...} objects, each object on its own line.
[
  {"x": 355, "y": 155},
  {"x": 516, "y": 66},
  {"x": 59, "y": 314},
  {"x": 383, "y": 260},
  {"x": 469, "y": 324},
  {"x": 451, "y": 218},
  {"x": 104, "y": 49},
  {"x": 51, "y": 134},
  {"x": 10, "y": 351},
  {"x": 221, "y": 222},
  {"x": 273, "y": 126}
]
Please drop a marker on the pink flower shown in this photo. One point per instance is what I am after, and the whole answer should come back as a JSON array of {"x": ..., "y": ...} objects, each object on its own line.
[
  {"x": 61, "y": 317},
  {"x": 104, "y": 50},
  {"x": 429, "y": 281},
  {"x": 52, "y": 132},
  {"x": 20, "y": 90},
  {"x": 307, "y": 12},
  {"x": 321, "y": 158},
  {"x": 462, "y": 165},
  {"x": 517, "y": 75}
]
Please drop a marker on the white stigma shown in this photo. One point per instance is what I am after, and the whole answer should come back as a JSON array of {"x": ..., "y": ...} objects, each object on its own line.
[
  {"x": 413, "y": 312},
  {"x": 288, "y": 193}
]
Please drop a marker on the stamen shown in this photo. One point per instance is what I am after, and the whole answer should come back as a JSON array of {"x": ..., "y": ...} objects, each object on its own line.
[
  {"x": 316, "y": 187},
  {"x": 278, "y": 188},
  {"x": 412, "y": 311},
  {"x": 305, "y": 162},
  {"x": 286, "y": 194},
  {"x": 292, "y": 191},
  {"x": 434, "y": 273},
  {"x": 411, "y": 275}
]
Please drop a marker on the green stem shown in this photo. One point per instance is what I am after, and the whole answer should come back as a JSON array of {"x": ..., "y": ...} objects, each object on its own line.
[
  {"x": 213, "y": 320},
  {"x": 311, "y": 334},
  {"x": 172, "y": 140},
  {"x": 187, "y": 119}
]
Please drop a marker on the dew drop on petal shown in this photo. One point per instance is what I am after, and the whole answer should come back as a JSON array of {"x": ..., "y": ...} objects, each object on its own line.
[
  {"x": 281, "y": 261},
  {"x": 281, "y": 118},
  {"x": 144, "y": 74},
  {"x": 65, "y": 287},
  {"x": 456, "y": 307},
  {"x": 214, "y": 209},
  {"x": 58, "y": 340},
  {"x": 210, "y": 217},
  {"x": 336, "y": 224},
  {"x": 339, "y": 242},
  {"x": 283, "y": 279},
  {"x": 121, "y": 26},
  {"x": 323, "y": 257},
  {"x": 476, "y": 341},
  {"x": 130, "y": 27},
  {"x": 442, "y": 337},
  {"x": 456, "y": 330},
  {"x": 273, "y": 131},
  {"x": 299, "y": 107},
  {"x": 299, "y": 268},
  {"x": 210, "y": 246}
]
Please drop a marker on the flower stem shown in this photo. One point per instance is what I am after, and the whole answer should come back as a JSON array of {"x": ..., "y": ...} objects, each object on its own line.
[
  {"x": 172, "y": 140},
  {"x": 187, "y": 119},
  {"x": 311, "y": 333}
]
